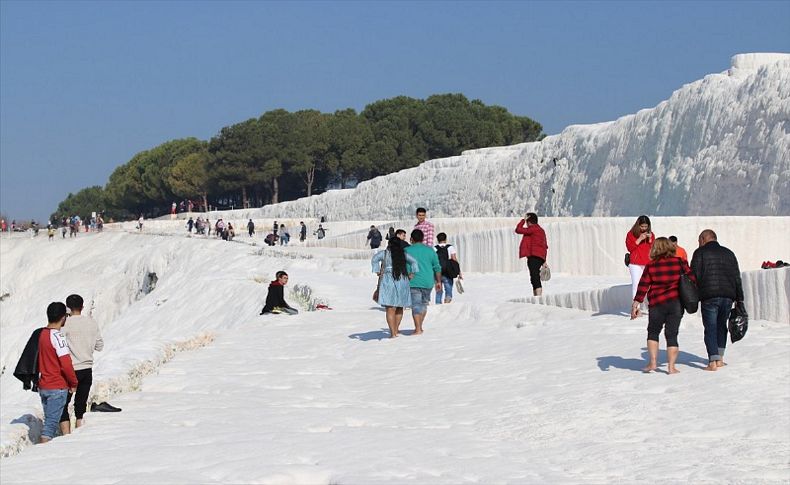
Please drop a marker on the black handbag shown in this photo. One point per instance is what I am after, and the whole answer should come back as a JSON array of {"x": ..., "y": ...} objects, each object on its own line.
[
  {"x": 627, "y": 259},
  {"x": 739, "y": 322},
  {"x": 689, "y": 296}
]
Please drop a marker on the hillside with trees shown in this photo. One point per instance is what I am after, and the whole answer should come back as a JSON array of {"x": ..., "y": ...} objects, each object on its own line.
[{"x": 286, "y": 155}]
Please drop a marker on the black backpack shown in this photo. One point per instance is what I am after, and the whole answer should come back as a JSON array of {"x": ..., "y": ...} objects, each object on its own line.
[{"x": 450, "y": 268}]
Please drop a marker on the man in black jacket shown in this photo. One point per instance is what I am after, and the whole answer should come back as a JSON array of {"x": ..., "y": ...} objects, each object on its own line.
[
  {"x": 719, "y": 283},
  {"x": 275, "y": 299}
]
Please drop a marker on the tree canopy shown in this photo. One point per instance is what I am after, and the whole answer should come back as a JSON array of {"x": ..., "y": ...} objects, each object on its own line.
[{"x": 285, "y": 155}]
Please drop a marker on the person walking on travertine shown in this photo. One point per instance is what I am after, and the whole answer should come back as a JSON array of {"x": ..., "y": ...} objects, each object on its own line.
[
  {"x": 395, "y": 268},
  {"x": 83, "y": 336},
  {"x": 533, "y": 247},
  {"x": 57, "y": 376},
  {"x": 424, "y": 226},
  {"x": 719, "y": 283},
  {"x": 426, "y": 278}
]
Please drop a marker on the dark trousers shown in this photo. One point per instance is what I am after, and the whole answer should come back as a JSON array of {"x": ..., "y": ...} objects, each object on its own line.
[
  {"x": 84, "y": 381},
  {"x": 666, "y": 315},
  {"x": 534, "y": 263},
  {"x": 715, "y": 314}
]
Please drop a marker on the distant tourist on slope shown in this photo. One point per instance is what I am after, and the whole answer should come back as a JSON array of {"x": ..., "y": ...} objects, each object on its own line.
[
  {"x": 190, "y": 225},
  {"x": 424, "y": 226},
  {"x": 374, "y": 237},
  {"x": 679, "y": 251},
  {"x": 320, "y": 233},
  {"x": 533, "y": 247},
  {"x": 230, "y": 233},
  {"x": 302, "y": 231},
  {"x": 660, "y": 281},
  {"x": 275, "y": 298},
  {"x": 251, "y": 228},
  {"x": 390, "y": 233},
  {"x": 140, "y": 222},
  {"x": 448, "y": 261},
  {"x": 427, "y": 277},
  {"x": 638, "y": 242},
  {"x": 285, "y": 237},
  {"x": 83, "y": 336},
  {"x": 395, "y": 268},
  {"x": 719, "y": 284}
]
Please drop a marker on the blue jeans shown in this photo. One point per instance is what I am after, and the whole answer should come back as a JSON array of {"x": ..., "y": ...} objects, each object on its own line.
[
  {"x": 447, "y": 283},
  {"x": 715, "y": 313},
  {"x": 53, "y": 401}
]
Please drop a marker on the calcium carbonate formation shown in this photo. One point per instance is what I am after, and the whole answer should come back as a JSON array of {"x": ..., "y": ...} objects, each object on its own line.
[{"x": 717, "y": 146}]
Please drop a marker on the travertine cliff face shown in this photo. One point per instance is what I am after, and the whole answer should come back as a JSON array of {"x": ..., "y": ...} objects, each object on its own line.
[{"x": 717, "y": 146}]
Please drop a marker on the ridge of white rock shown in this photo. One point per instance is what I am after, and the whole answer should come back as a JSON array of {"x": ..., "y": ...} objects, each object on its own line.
[{"x": 717, "y": 146}]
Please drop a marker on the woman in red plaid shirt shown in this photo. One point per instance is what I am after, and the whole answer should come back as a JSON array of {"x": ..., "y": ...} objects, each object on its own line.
[{"x": 660, "y": 282}]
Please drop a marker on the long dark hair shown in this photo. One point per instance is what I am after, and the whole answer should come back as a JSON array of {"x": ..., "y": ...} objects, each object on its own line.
[
  {"x": 639, "y": 221},
  {"x": 395, "y": 248}
]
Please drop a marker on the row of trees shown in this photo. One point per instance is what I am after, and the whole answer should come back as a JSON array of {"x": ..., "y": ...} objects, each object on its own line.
[{"x": 286, "y": 155}]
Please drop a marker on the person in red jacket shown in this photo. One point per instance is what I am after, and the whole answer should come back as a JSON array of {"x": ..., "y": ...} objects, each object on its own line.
[
  {"x": 534, "y": 248},
  {"x": 638, "y": 242},
  {"x": 57, "y": 373}
]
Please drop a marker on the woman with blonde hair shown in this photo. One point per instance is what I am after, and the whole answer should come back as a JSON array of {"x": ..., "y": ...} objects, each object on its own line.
[
  {"x": 660, "y": 281},
  {"x": 638, "y": 242}
]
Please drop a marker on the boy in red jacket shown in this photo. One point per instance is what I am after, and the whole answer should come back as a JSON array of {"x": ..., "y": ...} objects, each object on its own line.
[{"x": 57, "y": 374}]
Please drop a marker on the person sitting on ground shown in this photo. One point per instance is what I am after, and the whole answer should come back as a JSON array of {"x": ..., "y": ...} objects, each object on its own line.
[
  {"x": 270, "y": 239},
  {"x": 275, "y": 298},
  {"x": 83, "y": 336}
]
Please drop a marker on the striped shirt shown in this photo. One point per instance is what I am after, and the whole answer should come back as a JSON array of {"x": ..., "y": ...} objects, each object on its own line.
[{"x": 661, "y": 279}]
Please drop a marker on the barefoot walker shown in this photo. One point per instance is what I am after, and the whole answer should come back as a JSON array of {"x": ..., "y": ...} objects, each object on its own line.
[{"x": 660, "y": 281}]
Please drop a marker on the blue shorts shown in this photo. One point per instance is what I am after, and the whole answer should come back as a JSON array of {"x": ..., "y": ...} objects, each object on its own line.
[{"x": 420, "y": 297}]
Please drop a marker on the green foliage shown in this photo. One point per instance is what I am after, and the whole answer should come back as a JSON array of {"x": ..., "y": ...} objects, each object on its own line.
[
  {"x": 83, "y": 203},
  {"x": 142, "y": 185},
  {"x": 283, "y": 155}
]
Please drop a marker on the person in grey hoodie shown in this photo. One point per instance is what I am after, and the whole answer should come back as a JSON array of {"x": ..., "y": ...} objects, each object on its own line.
[{"x": 83, "y": 336}]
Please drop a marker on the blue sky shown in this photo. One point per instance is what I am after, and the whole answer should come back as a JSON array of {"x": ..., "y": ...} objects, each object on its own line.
[{"x": 86, "y": 85}]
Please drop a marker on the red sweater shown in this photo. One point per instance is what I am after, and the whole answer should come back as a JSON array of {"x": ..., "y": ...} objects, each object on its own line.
[
  {"x": 640, "y": 253},
  {"x": 533, "y": 242},
  {"x": 660, "y": 280},
  {"x": 54, "y": 361}
]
